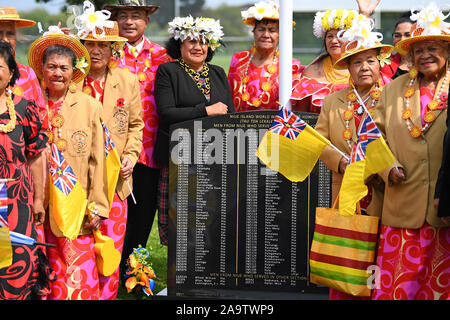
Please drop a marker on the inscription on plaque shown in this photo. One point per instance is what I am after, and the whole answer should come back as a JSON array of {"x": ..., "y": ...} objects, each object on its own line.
[{"x": 234, "y": 224}]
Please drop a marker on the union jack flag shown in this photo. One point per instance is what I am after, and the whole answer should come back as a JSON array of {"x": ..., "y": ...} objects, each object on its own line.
[
  {"x": 3, "y": 203},
  {"x": 109, "y": 143},
  {"x": 287, "y": 124},
  {"x": 368, "y": 132},
  {"x": 61, "y": 172}
]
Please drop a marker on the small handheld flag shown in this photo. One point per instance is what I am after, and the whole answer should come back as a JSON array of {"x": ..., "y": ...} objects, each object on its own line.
[
  {"x": 112, "y": 164},
  {"x": 369, "y": 155},
  {"x": 68, "y": 200},
  {"x": 290, "y": 146}
]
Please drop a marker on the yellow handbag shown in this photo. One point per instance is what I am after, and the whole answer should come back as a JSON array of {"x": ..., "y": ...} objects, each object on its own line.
[{"x": 342, "y": 250}]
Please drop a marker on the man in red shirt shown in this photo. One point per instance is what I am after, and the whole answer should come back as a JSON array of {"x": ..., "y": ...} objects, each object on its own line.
[{"x": 142, "y": 57}]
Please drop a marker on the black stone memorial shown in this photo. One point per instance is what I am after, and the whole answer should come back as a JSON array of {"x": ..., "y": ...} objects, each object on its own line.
[{"x": 236, "y": 228}]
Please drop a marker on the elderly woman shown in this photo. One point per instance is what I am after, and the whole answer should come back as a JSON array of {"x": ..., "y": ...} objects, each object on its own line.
[
  {"x": 321, "y": 78},
  {"x": 22, "y": 143},
  {"x": 342, "y": 113},
  {"x": 118, "y": 91},
  {"x": 186, "y": 89},
  {"x": 77, "y": 165},
  {"x": 413, "y": 254},
  {"x": 253, "y": 74}
]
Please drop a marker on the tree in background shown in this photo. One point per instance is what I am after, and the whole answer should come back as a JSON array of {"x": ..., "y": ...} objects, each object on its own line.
[{"x": 164, "y": 14}]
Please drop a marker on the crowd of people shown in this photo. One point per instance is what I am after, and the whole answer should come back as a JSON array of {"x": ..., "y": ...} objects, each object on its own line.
[{"x": 106, "y": 81}]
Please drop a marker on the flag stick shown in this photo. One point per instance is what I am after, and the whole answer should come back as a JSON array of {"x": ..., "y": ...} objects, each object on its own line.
[
  {"x": 361, "y": 102},
  {"x": 131, "y": 191},
  {"x": 335, "y": 148},
  {"x": 331, "y": 145}
]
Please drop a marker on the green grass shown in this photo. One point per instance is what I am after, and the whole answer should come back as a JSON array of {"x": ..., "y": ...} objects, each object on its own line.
[{"x": 158, "y": 259}]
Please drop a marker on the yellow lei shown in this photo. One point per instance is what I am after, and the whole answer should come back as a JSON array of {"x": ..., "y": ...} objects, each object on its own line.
[
  {"x": 333, "y": 75},
  {"x": 5, "y": 128}
]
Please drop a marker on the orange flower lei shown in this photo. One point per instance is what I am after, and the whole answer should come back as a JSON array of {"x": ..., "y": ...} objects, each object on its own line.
[
  {"x": 265, "y": 86},
  {"x": 5, "y": 128},
  {"x": 439, "y": 100},
  {"x": 375, "y": 94}
]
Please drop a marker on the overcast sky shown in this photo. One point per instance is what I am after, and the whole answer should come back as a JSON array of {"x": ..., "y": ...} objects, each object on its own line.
[{"x": 54, "y": 5}]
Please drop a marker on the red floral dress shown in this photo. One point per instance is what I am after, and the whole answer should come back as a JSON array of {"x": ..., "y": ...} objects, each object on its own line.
[
  {"x": 261, "y": 83},
  {"x": 114, "y": 226},
  {"x": 28, "y": 276}
]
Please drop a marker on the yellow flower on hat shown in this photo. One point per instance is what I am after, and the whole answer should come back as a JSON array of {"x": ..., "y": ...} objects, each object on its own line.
[
  {"x": 261, "y": 10},
  {"x": 81, "y": 64}
]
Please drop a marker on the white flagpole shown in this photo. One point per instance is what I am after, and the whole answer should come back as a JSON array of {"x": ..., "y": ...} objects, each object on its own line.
[{"x": 285, "y": 47}]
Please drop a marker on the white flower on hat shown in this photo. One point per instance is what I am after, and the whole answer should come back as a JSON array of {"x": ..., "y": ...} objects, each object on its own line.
[
  {"x": 53, "y": 30},
  {"x": 337, "y": 19},
  {"x": 90, "y": 19},
  {"x": 361, "y": 33},
  {"x": 261, "y": 10},
  {"x": 206, "y": 29},
  {"x": 431, "y": 20}
]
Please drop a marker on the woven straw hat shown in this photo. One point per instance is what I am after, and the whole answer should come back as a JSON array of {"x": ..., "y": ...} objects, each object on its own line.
[
  {"x": 404, "y": 45},
  {"x": 342, "y": 63},
  {"x": 38, "y": 47},
  {"x": 430, "y": 25},
  {"x": 111, "y": 34},
  {"x": 11, "y": 14}
]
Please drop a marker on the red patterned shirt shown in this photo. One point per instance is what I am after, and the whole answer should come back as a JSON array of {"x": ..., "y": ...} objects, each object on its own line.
[
  {"x": 261, "y": 83},
  {"x": 28, "y": 87},
  {"x": 144, "y": 66}
]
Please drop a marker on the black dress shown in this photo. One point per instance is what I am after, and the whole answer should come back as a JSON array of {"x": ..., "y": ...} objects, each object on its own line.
[
  {"x": 179, "y": 99},
  {"x": 29, "y": 273}
]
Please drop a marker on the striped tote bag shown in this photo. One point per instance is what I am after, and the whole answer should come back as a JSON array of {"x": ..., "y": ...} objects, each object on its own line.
[{"x": 342, "y": 250}]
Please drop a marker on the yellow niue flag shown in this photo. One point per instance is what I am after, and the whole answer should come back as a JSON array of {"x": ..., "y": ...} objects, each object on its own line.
[
  {"x": 68, "y": 199},
  {"x": 291, "y": 147},
  {"x": 112, "y": 164},
  {"x": 5, "y": 248},
  {"x": 369, "y": 155}
]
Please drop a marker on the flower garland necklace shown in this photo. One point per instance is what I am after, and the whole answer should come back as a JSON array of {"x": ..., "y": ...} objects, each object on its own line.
[
  {"x": 5, "y": 128},
  {"x": 204, "y": 88},
  {"x": 56, "y": 121},
  {"x": 332, "y": 74},
  {"x": 265, "y": 86},
  {"x": 439, "y": 100},
  {"x": 349, "y": 114}
]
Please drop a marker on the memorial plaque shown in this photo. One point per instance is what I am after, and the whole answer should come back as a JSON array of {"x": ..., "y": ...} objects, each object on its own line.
[{"x": 235, "y": 226}]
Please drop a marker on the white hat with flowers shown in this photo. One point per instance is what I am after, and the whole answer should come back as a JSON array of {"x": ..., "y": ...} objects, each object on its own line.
[
  {"x": 338, "y": 19},
  {"x": 259, "y": 11},
  {"x": 361, "y": 37},
  {"x": 206, "y": 29},
  {"x": 429, "y": 25}
]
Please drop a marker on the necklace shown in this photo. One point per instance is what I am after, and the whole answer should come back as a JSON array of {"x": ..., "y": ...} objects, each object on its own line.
[
  {"x": 333, "y": 75},
  {"x": 351, "y": 113},
  {"x": 56, "y": 122},
  {"x": 5, "y": 128},
  {"x": 265, "y": 85},
  {"x": 439, "y": 101},
  {"x": 205, "y": 87}
]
